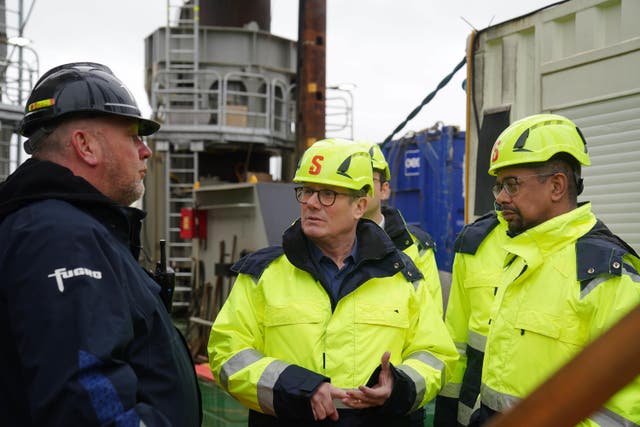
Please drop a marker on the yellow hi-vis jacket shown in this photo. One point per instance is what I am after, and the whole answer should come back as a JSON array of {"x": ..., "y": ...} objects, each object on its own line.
[
  {"x": 566, "y": 281},
  {"x": 280, "y": 334},
  {"x": 477, "y": 267},
  {"x": 419, "y": 246}
]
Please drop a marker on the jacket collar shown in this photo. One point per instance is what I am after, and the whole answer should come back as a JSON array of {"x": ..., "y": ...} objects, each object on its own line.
[
  {"x": 396, "y": 228},
  {"x": 37, "y": 180},
  {"x": 536, "y": 243},
  {"x": 373, "y": 244},
  {"x": 376, "y": 256}
]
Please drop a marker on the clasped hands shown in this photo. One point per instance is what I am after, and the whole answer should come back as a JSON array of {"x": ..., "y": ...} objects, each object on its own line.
[{"x": 360, "y": 398}]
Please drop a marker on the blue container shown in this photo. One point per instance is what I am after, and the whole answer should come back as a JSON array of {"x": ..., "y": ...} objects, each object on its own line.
[{"x": 427, "y": 185}]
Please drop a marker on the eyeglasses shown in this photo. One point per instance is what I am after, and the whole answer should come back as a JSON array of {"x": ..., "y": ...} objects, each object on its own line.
[
  {"x": 511, "y": 184},
  {"x": 325, "y": 197}
]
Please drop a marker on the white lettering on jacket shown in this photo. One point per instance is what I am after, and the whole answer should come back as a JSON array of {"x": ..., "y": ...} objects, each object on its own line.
[{"x": 62, "y": 273}]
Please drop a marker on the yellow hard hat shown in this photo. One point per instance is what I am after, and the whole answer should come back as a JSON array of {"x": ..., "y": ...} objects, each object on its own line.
[
  {"x": 536, "y": 139},
  {"x": 377, "y": 158},
  {"x": 337, "y": 162}
]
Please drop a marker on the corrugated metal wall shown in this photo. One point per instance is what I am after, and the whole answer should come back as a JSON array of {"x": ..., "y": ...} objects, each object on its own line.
[{"x": 612, "y": 182}]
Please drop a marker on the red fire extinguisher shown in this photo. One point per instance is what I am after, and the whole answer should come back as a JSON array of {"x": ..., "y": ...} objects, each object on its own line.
[{"x": 193, "y": 223}]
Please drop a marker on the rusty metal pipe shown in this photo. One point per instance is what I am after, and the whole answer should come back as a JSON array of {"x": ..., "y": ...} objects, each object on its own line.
[{"x": 311, "y": 79}]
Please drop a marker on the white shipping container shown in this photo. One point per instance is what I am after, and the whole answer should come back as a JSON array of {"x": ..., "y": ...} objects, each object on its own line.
[{"x": 577, "y": 58}]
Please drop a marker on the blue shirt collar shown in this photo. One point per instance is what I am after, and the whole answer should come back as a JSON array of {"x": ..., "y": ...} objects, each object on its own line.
[
  {"x": 317, "y": 256},
  {"x": 333, "y": 277}
]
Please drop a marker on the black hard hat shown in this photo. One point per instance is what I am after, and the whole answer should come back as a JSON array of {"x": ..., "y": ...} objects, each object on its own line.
[{"x": 80, "y": 88}]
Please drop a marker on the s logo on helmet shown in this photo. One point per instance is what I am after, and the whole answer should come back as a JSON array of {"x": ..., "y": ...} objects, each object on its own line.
[
  {"x": 496, "y": 151},
  {"x": 316, "y": 167}
]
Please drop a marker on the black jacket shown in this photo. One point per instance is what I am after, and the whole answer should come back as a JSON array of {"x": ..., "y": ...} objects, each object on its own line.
[{"x": 86, "y": 339}]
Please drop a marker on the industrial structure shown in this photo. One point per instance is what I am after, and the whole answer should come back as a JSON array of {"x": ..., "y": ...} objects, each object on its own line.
[
  {"x": 221, "y": 85},
  {"x": 223, "y": 88},
  {"x": 19, "y": 70}
]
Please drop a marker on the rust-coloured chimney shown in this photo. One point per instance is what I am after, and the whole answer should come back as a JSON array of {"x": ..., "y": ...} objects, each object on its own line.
[{"x": 311, "y": 80}]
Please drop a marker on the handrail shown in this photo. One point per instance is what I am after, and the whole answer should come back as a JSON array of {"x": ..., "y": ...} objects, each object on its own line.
[{"x": 263, "y": 108}]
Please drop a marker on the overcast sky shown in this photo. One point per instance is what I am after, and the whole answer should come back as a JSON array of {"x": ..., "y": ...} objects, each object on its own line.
[{"x": 394, "y": 52}]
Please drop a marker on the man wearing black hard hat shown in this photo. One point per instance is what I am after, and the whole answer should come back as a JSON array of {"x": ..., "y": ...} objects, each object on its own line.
[{"x": 86, "y": 338}]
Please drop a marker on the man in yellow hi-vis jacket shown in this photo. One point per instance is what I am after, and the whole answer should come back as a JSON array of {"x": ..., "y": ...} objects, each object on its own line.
[
  {"x": 567, "y": 278},
  {"x": 410, "y": 239},
  {"x": 334, "y": 327},
  {"x": 477, "y": 267}
]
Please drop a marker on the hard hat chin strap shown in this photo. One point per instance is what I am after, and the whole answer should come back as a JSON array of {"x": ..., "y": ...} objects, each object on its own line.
[
  {"x": 37, "y": 138},
  {"x": 577, "y": 176},
  {"x": 579, "y": 185}
]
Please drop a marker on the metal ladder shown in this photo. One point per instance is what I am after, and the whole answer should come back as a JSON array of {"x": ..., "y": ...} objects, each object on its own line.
[
  {"x": 181, "y": 172},
  {"x": 180, "y": 81},
  {"x": 182, "y": 54}
]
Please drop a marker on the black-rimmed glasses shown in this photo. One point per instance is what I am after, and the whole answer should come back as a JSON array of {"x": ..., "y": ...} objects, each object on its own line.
[
  {"x": 325, "y": 197},
  {"x": 511, "y": 184}
]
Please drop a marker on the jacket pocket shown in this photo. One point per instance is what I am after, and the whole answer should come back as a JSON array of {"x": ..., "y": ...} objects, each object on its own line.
[
  {"x": 540, "y": 323},
  {"x": 383, "y": 315},
  {"x": 567, "y": 329},
  {"x": 484, "y": 280},
  {"x": 294, "y": 313}
]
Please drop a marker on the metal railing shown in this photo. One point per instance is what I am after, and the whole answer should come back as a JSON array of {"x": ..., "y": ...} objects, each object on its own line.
[
  {"x": 233, "y": 100},
  {"x": 17, "y": 79},
  {"x": 19, "y": 71}
]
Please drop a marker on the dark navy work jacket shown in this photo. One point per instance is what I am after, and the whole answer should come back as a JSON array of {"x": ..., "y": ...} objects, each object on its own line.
[{"x": 85, "y": 337}]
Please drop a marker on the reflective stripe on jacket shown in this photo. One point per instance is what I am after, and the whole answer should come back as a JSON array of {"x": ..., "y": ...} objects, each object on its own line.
[
  {"x": 279, "y": 334},
  {"x": 566, "y": 281}
]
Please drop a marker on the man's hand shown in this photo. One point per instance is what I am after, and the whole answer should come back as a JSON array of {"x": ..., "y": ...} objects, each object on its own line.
[
  {"x": 322, "y": 402},
  {"x": 367, "y": 397}
]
